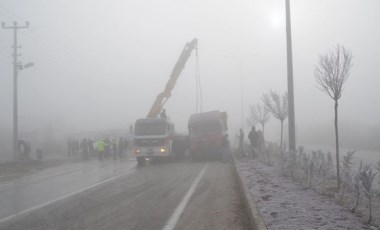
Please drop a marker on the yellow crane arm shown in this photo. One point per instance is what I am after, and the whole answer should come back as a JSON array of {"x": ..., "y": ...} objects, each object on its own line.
[{"x": 179, "y": 66}]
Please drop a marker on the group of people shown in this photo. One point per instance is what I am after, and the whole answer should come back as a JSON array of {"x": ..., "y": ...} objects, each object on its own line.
[
  {"x": 256, "y": 141},
  {"x": 103, "y": 148}
]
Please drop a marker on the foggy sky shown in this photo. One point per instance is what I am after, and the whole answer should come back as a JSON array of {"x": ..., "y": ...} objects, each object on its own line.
[{"x": 100, "y": 64}]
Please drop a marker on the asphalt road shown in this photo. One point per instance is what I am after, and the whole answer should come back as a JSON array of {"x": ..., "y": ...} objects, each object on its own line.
[{"x": 180, "y": 195}]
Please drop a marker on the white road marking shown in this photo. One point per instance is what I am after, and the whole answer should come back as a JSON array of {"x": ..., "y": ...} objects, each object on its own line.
[
  {"x": 64, "y": 197},
  {"x": 179, "y": 210}
]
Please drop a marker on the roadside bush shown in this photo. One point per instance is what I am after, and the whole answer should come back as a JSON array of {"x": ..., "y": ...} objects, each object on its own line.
[
  {"x": 367, "y": 178},
  {"x": 356, "y": 186},
  {"x": 330, "y": 163},
  {"x": 315, "y": 170},
  {"x": 346, "y": 173}
]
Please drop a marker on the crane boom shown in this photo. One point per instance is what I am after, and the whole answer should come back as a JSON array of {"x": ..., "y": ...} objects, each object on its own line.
[{"x": 179, "y": 66}]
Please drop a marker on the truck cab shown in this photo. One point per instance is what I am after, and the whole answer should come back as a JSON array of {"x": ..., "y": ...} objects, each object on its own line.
[{"x": 153, "y": 138}]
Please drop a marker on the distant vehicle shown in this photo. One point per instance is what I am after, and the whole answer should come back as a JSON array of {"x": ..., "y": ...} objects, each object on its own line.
[
  {"x": 207, "y": 132},
  {"x": 153, "y": 136}
]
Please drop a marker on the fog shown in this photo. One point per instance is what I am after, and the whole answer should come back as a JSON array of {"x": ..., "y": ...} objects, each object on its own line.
[{"x": 99, "y": 65}]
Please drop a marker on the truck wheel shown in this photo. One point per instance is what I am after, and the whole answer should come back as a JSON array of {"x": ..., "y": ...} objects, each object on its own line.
[{"x": 140, "y": 160}]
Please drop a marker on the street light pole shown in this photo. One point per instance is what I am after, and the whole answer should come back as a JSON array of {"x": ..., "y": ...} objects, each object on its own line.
[
  {"x": 291, "y": 119},
  {"x": 241, "y": 65},
  {"x": 16, "y": 153},
  {"x": 16, "y": 67}
]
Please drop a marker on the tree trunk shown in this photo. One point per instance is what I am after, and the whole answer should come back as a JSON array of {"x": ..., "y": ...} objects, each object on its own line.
[
  {"x": 370, "y": 210},
  {"x": 356, "y": 202},
  {"x": 282, "y": 122},
  {"x": 342, "y": 195},
  {"x": 337, "y": 144},
  {"x": 263, "y": 124}
]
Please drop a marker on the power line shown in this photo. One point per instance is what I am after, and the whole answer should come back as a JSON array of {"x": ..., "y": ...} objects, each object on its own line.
[{"x": 48, "y": 39}]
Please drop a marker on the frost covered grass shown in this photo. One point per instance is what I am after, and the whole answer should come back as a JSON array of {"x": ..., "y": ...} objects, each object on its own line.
[{"x": 297, "y": 190}]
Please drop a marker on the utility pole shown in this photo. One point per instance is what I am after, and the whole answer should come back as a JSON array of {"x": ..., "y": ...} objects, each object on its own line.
[
  {"x": 16, "y": 66},
  {"x": 291, "y": 119}
]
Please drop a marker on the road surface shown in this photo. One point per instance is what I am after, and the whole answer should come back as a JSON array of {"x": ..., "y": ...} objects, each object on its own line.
[{"x": 120, "y": 195}]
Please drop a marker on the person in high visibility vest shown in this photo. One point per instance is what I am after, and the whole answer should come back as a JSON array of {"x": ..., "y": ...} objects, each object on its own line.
[
  {"x": 101, "y": 146},
  {"x": 114, "y": 148}
]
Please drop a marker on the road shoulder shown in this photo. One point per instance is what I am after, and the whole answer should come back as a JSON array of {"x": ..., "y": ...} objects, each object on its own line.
[{"x": 216, "y": 203}]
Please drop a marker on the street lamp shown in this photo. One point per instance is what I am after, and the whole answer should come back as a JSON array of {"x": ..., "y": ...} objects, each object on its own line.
[{"x": 27, "y": 65}]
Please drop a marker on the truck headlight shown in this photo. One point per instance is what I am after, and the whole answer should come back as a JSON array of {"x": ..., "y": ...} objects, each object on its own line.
[
  {"x": 163, "y": 150},
  {"x": 137, "y": 151}
]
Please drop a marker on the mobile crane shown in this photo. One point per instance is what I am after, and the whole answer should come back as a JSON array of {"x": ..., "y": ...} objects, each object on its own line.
[
  {"x": 179, "y": 66},
  {"x": 153, "y": 136}
]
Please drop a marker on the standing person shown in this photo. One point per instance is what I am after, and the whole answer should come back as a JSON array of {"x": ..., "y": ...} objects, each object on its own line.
[
  {"x": 100, "y": 144},
  {"x": 115, "y": 148},
  {"x": 107, "y": 150},
  {"x": 241, "y": 142},
  {"x": 91, "y": 147},
  {"x": 84, "y": 148},
  {"x": 163, "y": 113},
  {"x": 121, "y": 148},
  {"x": 252, "y": 136},
  {"x": 75, "y": 147},
  {"x": 69, "y": 147}
]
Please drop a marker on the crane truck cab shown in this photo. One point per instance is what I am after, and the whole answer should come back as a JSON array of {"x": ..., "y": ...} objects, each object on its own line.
[
  {"x": 153, "y": 138},
  {"x": 207, "y": 133}
]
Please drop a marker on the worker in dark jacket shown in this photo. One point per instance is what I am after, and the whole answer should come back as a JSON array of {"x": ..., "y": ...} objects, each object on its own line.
[
  {"x": 241, "y": 142},
  {"x": 163, "y": 113},
  {"x": 253, "y": 136}
]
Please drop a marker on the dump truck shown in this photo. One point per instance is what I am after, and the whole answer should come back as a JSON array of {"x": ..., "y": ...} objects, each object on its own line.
[{"x": 208, "y": 134}]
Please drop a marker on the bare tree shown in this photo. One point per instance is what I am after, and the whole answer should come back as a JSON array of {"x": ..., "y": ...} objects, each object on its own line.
[
  {"x": 330, "y": 74},
  {"x": 346, "y": 173},
  {"x": 259, "y": 114},
  {"x": 367, "y": 177},
  {"x": 278, "y": 105},
  {"x": 356, "y": 185}
]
